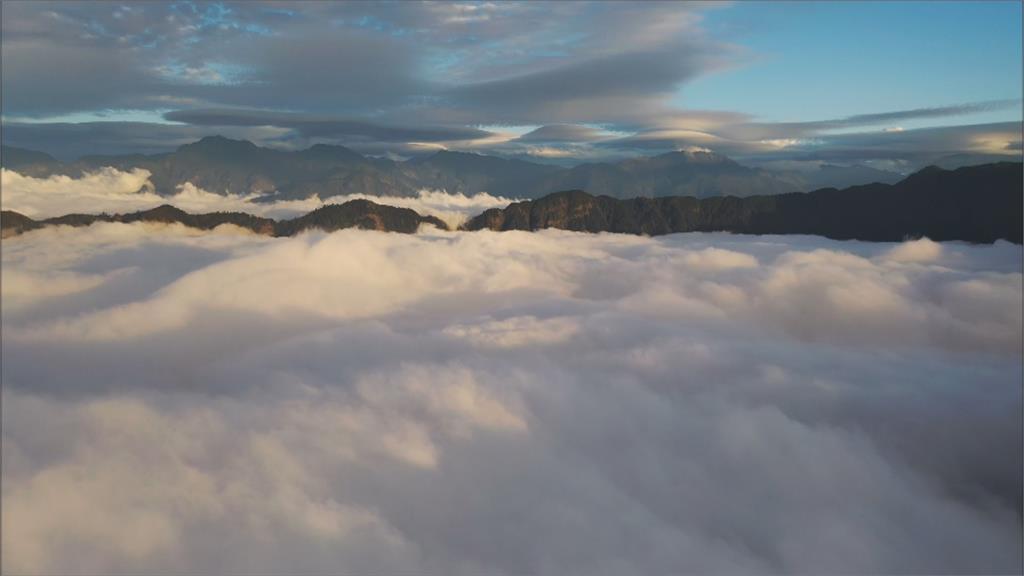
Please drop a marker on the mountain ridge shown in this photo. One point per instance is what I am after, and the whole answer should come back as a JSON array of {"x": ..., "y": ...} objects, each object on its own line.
[
  {"x": 222, "y": 165},
  {"x": 974, "y": 204},
  {"x": 361, "y": 214},
  {"x": 979, "y": 204}
]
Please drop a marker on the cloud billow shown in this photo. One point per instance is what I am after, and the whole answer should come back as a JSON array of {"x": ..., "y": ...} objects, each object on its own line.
[
  {"x": 508, "y": 403},
  {"x": 109, "y": 190}
]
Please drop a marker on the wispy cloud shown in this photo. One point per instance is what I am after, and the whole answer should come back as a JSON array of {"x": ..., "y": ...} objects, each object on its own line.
[
  {"x": 311, "y": 126},
  {"x": 390, "y": 77}
]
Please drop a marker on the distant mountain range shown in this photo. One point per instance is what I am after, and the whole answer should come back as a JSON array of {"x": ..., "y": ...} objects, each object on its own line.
[
  {"x": 361, "y": 214},
  {"x": 222, "y": 165},
  {"x": 973, "y": 204}
]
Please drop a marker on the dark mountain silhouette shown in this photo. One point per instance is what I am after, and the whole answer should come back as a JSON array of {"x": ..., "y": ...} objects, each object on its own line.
[
  {"x": 358, "y": 214},
  {"x": 353, "y": 214},
  {"x": 221, "y": 165},
  {"x": 13, "y": 223},
  {"x": 975, "y": 204}
]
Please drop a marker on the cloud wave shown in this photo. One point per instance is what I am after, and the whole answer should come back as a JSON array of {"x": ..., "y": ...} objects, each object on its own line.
[
  {"x": 115, "y": 191},
  {"x": 508, "y": 403}
]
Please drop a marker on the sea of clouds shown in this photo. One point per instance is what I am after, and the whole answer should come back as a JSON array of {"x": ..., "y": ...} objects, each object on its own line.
[
  {"x": 507, "y": 403},
  {"x": 115, "y": 191}
]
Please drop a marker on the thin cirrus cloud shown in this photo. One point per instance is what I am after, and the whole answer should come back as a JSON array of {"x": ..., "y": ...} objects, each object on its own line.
[
  {"x": 324, "y": 127},
  {"x": 761, "y": 131},
  {"x": 169, "y": 390},
  {"x": 1000, "y": 140}
]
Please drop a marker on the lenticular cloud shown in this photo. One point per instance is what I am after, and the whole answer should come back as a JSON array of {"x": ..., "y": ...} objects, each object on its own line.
[{"x": 508, "y": 403}]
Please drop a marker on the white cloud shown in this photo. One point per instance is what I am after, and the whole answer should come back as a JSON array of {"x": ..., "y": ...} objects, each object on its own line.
[
  {"x": 106, "y": 189},
  {"x": 453, "y": 209},
  {"x": 921, "y": 250},
  {"x": 516, "y": 331},
  {"x": 113, "y": 191},
  {"x": 21, "y": 288},
  {"x": 718, "y": 259},
  {"x": 508, "y": 403}
]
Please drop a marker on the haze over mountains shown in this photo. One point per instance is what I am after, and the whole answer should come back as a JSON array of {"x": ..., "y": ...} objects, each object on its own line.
[
  {"x": 221, "y": 165},
  {"x": 974, "y": 204}
]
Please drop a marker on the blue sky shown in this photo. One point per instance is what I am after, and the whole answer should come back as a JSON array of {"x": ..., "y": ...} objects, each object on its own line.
[
  {"x": 814, "y": 60},
  {"x": 807, "y": 81}
]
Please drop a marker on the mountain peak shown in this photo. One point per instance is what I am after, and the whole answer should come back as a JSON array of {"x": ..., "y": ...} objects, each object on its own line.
[
  {"x": 927, "y": 172},
  {"x": 975, "y": 204},
  {"x": 930, "y": 169},
  {"x": 331, "y": 151},
  {"x": 218, "y": 143},
  {"x": 19, "y": 157},
  {"x": 327, "y": 147}
]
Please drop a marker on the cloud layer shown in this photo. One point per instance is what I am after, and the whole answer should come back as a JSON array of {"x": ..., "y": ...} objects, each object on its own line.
[
  {"x": 115, "y": 191},
  {"x": 508, "y": 403}
]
